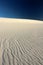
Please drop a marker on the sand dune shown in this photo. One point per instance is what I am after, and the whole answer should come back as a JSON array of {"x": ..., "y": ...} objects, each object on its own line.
[{"x": 21, "y": 42}]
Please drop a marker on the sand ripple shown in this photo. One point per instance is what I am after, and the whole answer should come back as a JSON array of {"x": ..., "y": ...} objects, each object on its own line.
[{"x": 23, "y": 45}]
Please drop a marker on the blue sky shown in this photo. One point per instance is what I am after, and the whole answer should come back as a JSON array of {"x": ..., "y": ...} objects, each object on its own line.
[{"x": 25, "y": 9}]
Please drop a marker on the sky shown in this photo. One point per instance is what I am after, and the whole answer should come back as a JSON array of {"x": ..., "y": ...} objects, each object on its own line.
[{"x": 25, "y": 9}]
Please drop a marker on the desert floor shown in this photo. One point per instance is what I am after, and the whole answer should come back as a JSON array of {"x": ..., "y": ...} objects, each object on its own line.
[{"x": 21, "y": 43}]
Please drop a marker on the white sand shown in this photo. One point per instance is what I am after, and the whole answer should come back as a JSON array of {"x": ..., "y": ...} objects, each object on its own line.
[{"x": 21, "y": 42}]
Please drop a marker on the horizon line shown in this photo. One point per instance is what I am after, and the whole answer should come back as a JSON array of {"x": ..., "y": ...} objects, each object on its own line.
[
  {"x": 22, "y": 18},
  {"x": 19, "y": 20}
]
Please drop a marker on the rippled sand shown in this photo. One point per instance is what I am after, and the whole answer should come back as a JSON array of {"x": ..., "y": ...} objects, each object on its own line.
[{"x": 21, "y": 43}]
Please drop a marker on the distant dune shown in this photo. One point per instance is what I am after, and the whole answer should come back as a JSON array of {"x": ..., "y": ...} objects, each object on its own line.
[{"x": 21, "y": 42}]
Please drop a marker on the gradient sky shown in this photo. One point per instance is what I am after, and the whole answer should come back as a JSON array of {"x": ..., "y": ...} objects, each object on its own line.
[{"x": 26, "y": 9}]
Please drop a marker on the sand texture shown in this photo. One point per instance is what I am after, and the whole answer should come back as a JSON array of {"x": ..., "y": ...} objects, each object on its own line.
[{"x": 21, "y": 42}]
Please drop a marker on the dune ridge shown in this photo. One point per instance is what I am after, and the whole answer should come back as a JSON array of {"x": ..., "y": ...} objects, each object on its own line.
[{"x": 19, "y": 20}]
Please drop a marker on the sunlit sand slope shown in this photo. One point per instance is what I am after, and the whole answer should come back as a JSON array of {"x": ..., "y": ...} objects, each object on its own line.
[{"x": 21, "y": 42}]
